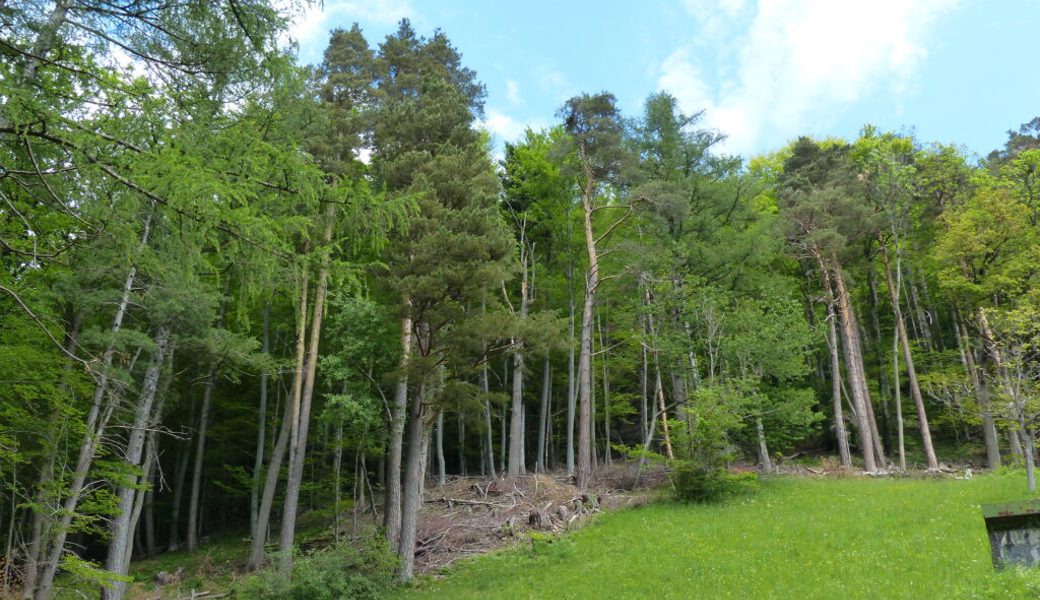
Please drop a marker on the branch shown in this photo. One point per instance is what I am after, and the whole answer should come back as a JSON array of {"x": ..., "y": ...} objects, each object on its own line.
[{"x": 28, "y": 311}]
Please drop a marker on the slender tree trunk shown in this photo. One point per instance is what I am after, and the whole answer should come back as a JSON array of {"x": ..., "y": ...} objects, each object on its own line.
[
  {"x": 180, "y": 478},
  {"x": 96, "y": 425},
  {"x": 442, "y": 476},
  {"x": 121, "y": 538},
  {"x": 337, "y": 465},
  {"x": 839, "y": 417},
  {"x": 44, "y": 502},
  {"x": 200, "y": 440},
  {"x": 257, "y": 556},
  {"x": 911, "y": 373},
  {"x": 572, "y": 396},
  {"x": 851, "y": 340},
  {"x": 989, "y": 428},
  {"x": 543, "y": 415},
  {"x": 298, "y": 446},
  {"x": 899, "y": 403},
  {"x": 490, "y": 450},
  {"x": 516, "y": 428},
  {"x": 399, "y": 414},
  {"x": 261, "y": 430}
]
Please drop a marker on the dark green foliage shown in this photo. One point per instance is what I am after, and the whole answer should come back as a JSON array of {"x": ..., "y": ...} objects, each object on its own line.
[
  {"x": 702, "y": 483},
  {"x": 360, "y": 570}
]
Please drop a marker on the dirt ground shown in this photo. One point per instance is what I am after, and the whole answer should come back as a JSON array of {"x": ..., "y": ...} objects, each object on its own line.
[{"x": 471, "y": 515}]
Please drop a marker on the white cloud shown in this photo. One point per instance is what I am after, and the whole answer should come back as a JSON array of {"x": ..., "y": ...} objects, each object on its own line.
[
  {"x": 503, "y": 126},
  {"x": 797, "y": 63},
  {"x": 513, "y": 92},
  {"x": 316, "y": 19}
]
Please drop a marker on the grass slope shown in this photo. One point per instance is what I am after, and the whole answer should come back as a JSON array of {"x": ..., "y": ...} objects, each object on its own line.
[{"x": 797, "y": 538}]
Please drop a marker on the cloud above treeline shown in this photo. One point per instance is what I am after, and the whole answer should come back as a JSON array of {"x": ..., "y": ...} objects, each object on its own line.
[{"x": 765, "y": 71}]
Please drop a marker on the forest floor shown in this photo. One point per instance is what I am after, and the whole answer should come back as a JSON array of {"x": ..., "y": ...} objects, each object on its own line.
[{"x": 798, "y": 537}]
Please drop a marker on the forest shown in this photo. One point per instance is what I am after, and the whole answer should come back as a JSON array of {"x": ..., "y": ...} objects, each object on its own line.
[{"x": 244, "y": 296}]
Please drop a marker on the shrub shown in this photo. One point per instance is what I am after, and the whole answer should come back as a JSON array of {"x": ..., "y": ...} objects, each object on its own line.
[
  {"x": 699, "y": 483},
  {"x": 363, "y": 570}
]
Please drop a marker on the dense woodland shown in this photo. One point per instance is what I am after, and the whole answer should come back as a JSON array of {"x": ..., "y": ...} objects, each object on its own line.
[{"x": 235, "y": 290}]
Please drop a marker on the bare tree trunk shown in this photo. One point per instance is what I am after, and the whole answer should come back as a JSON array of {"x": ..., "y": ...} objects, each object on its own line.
[
  {"x": 261, "y": 429},
  {"x": 899, "y": 403},
  {"x": 989, "y": 429},
  {"x": 543, "y": 415},
  {"x": 911, "y": 373},
  {"x": 298, "y": 446},
  {"x": 96, "y": 425},
  {"x": 442, "y": 476},
  {"x": 200, "y": 439},
  {"x": 118, "y": 547},
  {"x": 606, "y": 394},
  {"x": 337, "y": 465},
  {"x": 178, "y": 495},
  {"x": 192, "y": 539},
  {"x": 572, "y": 396},
  {"x": 411, "y": 486},
  {"x": 839, "y": 417},
  {"x": 490, "y": 450},
  {"x": 516, "y": 427},
  {"x": 257, "y": 556},
  {"x": 584, "y": 467},
  {"x": 399, "y": 414},
  {"x": 851, "y": 340},
  {"x": 763, "y": 451}
]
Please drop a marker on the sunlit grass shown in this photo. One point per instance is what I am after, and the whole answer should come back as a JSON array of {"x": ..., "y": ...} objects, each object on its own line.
[{"x": 797, "y": 538}]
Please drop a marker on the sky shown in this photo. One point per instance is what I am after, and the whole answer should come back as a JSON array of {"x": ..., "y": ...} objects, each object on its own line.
[{"x": 764, "y": 71}]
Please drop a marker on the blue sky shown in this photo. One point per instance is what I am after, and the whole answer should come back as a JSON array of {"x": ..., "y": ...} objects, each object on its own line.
[{"x": 765, "y": 71}]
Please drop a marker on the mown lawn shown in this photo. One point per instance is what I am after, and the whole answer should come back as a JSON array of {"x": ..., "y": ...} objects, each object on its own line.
[{"x": 797, "y": 538}]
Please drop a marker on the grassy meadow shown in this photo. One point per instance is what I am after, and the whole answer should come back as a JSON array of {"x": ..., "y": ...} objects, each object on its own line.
[{"x": 796, "y": 538}]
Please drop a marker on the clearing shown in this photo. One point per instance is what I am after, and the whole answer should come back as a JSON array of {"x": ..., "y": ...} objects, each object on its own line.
[{"x": 799, "y": 537}]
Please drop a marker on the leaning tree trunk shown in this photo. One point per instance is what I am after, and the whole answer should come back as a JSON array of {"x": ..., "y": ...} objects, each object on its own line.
[
  {"x": 989, "y": 428},
  {"x": 96, "y": 425},
  {"x": 298, "y": 446},
  {"x": 849, "y": 338},
  {"x": 572, "y": 397},
  {"x": 290, "y": 420},
  {"x": 911, "y": 373},
  {"x": 839, "y": 417},
  {"x": 261, "y": 430},
  {"x": 120, "y": 540}
]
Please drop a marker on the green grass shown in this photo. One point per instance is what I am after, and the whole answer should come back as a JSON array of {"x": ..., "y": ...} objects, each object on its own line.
[{"x": 797, "y": 538}]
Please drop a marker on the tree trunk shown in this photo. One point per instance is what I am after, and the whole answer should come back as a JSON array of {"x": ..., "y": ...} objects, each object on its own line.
[
  {"x": 200, "y": 440},
  {"x": 516, "y": 427},
  {"x": 543, "y": 415},
  {"x": 490, "y": 450},
  {"x": 257, "y": 556},
  {"x": 899, "y": 403},
  {"x": 911, "y": 373},
  {"x": 606, "y": 394},
  {"x": 118, "y": 547},
  {"x": 839, "y": 417},
  {"x": 584, "y": 467},
  {"x": 298, "y": 446},
  {"x": 261, "y": 429},
  {"x": 96, "y": 425},
  {"x": 572, "y": 397},
  {"x": 989, "y": 428},
  {"x": 851, "y": 341},
  {"x": 763, "y": 451},
  {"x": 399, "y": 414},
  {"x": 442, "y": 476},
  {"x": 178, "y": 495},
  {"x": 411, "y": 486}
]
